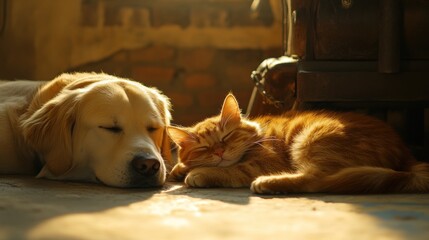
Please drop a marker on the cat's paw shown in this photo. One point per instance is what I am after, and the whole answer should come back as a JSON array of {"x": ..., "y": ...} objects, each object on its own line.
[
  {"x": 197, "y": 178},
  {"x": 264, "y": 185},
  {"x": 178, "y": 173},
  {"x": 175, "y": 177}
]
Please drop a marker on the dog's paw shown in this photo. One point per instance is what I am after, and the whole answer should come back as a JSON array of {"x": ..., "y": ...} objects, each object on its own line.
[{"x": 264, "y": 185}]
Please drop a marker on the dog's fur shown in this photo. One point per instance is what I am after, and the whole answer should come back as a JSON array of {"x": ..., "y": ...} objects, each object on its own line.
[{"x": 85, "y": 127}]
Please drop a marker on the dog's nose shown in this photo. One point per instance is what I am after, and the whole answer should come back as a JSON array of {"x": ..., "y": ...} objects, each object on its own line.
[{"x": 146, "y": 166}]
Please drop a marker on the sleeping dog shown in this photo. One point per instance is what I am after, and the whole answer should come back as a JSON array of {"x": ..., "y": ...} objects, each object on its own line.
[{"x": 85, "y": 127}]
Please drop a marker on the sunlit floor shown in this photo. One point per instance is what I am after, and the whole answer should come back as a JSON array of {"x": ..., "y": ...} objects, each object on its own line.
[{"x": 40, "y": 209}]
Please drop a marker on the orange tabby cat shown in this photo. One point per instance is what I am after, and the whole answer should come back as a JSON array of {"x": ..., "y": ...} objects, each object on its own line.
[{"x": 315, "y": 151}]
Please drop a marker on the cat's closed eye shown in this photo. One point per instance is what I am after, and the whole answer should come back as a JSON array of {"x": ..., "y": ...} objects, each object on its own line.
[
  {"x": 202, "y": 148},
  {"x": 228, "y": 135}
]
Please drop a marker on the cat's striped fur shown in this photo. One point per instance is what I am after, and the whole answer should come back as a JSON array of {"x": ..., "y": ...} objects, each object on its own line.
[{"x": 316, "y": 151}]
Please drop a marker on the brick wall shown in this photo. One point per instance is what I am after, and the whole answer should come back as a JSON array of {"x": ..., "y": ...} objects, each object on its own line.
[{"x": 196, "y": 78}]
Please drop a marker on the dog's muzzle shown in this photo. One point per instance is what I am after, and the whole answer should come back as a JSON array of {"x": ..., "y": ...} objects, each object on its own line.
[
  {"x": 147, "y": 171},
  {"x": 146, "y": 165}
]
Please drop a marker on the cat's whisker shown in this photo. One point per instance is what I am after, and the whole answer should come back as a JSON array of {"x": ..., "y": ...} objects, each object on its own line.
[
  {"x": 188, "y": 141},
  {"x": 197, "y": 160},
  {"x": 265, "y": 147},
  {"x": 244, "y": 148},
  {"x": 269, "y": 139},
  {"x": 200, "y": 163},
  {"x": 265, "y": 140}
]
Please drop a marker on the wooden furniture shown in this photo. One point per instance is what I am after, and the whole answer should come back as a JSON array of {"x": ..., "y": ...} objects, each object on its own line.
[{"x": 364, "y": 55}]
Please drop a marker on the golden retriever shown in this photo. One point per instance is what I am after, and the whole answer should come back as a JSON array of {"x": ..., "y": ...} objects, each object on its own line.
[{"x": 85, "y": 127}]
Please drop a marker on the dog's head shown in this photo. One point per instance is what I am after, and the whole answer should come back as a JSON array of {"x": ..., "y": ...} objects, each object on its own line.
[{"x": 96, "y": 127}]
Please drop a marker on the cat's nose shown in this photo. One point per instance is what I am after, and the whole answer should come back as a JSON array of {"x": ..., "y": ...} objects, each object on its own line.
[{"x": 218, "y": 152}]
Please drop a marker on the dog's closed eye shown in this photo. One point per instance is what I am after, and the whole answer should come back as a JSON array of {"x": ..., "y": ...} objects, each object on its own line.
[
  {"x": 112, "y": 129},
  {"x": 151, "y": 129}
]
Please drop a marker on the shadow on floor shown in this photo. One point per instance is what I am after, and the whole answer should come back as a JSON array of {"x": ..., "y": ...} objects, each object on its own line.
[{"x": 42, "y": 209}]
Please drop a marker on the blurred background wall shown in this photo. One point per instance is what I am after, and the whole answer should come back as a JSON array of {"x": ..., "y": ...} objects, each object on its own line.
[{"x": 195, "y": 51}]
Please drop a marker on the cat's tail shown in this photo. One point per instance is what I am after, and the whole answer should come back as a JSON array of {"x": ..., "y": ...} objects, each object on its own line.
[{"x": 367, "y": 179}]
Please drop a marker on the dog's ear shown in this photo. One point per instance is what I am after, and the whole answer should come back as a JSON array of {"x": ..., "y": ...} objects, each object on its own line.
[
  {"x": 166, "y": 148},
  {"x": 64, "y": 81},
  {"x": 49, "y": 130},
  {"x": 163, "y": 104},
  {"x": 166, "y": 142}
]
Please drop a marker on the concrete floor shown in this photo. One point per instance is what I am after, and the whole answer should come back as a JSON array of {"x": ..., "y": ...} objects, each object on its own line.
[{"x": 41, "y": 209}]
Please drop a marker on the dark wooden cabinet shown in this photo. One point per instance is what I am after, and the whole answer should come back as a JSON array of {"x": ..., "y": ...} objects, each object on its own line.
[{"x": 360, "y": 55}]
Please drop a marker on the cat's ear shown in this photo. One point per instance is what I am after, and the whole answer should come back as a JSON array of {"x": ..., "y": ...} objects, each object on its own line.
[
  {"x": 231, "y": 112},
  {"x": 180, "y": 135}
]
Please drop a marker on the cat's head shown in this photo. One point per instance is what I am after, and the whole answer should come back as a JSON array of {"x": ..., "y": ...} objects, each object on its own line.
[{"x": 218, "y": 141}]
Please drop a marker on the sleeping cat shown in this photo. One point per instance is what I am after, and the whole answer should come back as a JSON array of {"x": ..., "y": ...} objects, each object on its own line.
[{"x": 314, "y": 151}]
